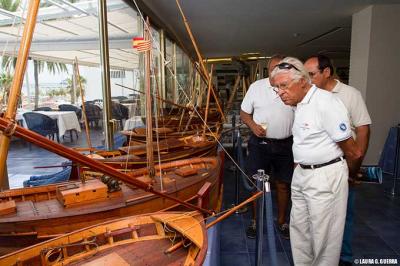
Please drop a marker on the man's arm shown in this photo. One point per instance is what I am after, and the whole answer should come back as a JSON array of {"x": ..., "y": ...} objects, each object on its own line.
[
  {"x": 248, "y": 120},
  {"x": 362, "y": 141},
  {"x": 362, "y": 138},
  {"x": 353, "y": 155}
]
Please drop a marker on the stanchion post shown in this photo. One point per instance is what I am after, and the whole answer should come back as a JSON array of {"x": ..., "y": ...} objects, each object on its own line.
[
  {"x": 392, "y": 191},
  {"x": 260, "y": 178},
  {"x": 270, "y": 223},
  {"x": 235, "y": 157}
]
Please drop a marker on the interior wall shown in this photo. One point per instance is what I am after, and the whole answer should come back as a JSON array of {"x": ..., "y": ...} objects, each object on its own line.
[{"x": 374, "y": 67}]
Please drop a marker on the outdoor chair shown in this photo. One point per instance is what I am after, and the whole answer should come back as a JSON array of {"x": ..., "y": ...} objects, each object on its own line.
[
  {"x": 70, "y": 107},
  {"x": 119, "y": 112},
  {"x": 94, "y": 114},
  {"x": 42, "y": 124},
  {"x": 44, "y": 108}
]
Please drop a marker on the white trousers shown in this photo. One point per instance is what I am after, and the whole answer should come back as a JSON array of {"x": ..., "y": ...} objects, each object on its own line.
[{"x": 319, "y": 200}]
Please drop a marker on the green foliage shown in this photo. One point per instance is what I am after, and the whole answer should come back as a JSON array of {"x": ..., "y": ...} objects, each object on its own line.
[
  {"x": 58, "y": 92},
  {"x": 5, "y": 80},
  {"x": 10, "y": 5},
  {"x": 70, "y": 85},
  {"x": 5, "y": 85},
  {"x": 8, "y": 63}
]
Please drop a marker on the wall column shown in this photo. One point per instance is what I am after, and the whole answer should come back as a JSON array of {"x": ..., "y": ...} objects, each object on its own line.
[{"x": 375, "y": 69}]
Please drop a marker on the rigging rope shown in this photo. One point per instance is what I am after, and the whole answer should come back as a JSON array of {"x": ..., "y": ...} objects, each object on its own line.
[{"x": 188, "y": 99}]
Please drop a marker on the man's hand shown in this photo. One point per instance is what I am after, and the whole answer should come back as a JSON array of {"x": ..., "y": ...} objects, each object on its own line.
[
  {"x": 255, "y": 128},
  {"x": 258, "y": 130}
]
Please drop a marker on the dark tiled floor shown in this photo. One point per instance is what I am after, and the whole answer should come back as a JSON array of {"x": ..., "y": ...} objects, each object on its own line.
[
  {"x": 377, "y": 218},
  {"x": 376, "y": 229},
  {"x": 22, "y": 161}
]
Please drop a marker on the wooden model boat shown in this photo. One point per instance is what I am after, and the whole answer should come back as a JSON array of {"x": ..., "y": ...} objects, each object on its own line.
[
  {"x": 137, "y": 240},
  {"x": 183, "y": 119},
  {"x": 165, "y": 132},
  {"x": 84, "y": 204},
  {"x": 33, "y": 214},
  {"x": 166, "y": 150}
]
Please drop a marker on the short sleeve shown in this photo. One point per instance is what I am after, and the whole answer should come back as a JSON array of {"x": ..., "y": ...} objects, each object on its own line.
[
  {"x": 358, "y": 111},
  {"x": 334, "y": 119},
  {"x": 248, "y": 101}
]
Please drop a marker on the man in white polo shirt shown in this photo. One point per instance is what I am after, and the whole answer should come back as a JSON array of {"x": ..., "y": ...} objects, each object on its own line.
[
  {"x": 270, "y": 145},
  {"x": 320, "y": 69},
  {"x": 321, "y": 139}
]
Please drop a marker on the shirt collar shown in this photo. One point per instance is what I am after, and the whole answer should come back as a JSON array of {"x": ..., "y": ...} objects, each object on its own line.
[
  {"x": 309, "y": 94},
  {"x": 337, "y": 88}
]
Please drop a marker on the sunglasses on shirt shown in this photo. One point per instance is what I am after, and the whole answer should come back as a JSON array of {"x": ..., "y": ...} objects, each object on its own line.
[{"x": 286, "y": 66}]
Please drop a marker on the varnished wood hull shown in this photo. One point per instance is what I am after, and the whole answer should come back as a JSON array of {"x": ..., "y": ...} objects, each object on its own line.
[
  {"x": 165, "y": 132},
  {"x": 135, "y": 240},
  {"x": 128, "y": 161},
  {"x": 42, "y": 216}
]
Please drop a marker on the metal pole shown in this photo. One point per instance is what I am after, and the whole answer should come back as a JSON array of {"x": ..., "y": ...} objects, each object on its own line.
[
  {"x": 105, "y": 75},
  {"x": 260, "y": 177},
  {"x": 74, "y": 83},
  {"x": 235, "y": 158},
  {"x": 270, "y": 223},
  {"x": 28, "y": 87},
  {"x": 175, "y": 84},
  {"x": 162, "y": 66},
  {"x": 392, "y": 191}
]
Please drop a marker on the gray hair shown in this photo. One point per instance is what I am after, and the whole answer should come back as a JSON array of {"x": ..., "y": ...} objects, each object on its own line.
[
  {"x": 294, "y": 74},
  {"x": 279, "y": 57}
]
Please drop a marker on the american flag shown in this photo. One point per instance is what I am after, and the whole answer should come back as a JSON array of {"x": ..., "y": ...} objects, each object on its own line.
[{"x": 141, "y": 45}]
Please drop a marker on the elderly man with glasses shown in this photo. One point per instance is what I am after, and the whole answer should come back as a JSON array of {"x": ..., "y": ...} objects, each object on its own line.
[
  {"x": 270, "y": 145},
  {"x": 320, "y": 69},
  {"x": 321, "y": 139}
]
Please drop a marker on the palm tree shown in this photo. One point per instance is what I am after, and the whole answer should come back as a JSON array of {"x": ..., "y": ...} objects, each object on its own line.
[
  {"x": 52, "y": 67},
  {"x": 70, "y": 88},
  {"x": 5, "y": 85}
]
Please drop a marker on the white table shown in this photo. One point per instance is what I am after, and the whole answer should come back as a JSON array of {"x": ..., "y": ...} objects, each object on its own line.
[
  {"x": 66, "y": 120},
  {"x": 131, "y": 107},
  {"x": 131, "y": 123}
]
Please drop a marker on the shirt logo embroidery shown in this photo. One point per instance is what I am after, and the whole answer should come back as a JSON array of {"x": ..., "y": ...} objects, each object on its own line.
[
  {"x": 305, "y": 126},
  {"x": 343, "y": 127}
]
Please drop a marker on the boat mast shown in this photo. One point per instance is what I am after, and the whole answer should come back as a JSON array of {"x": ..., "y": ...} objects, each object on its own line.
[
  {"x": 200, "y": 58},
  {"x": 78, "y": 78},
  {"x": 147, "y": 84},
  {"x": 208, "y": 101},
  {"x": 16, "y": 86}
]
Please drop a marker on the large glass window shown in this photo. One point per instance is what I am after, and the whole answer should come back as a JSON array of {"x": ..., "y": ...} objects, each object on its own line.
[
  {"x": 182, "y": 70},
  {"x": 170, "y": 70}
]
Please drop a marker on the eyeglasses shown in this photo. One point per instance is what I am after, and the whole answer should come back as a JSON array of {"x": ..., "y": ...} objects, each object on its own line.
[
  {"x": 284, "y": 86},
  {"x": 285, "y": 65},
  {"x": 312, "y": 74}
]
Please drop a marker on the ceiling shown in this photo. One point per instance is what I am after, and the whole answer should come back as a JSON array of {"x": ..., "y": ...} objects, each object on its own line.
[
  {"x": 233, "y": 27},
  {"x": 64, "y": 31}
]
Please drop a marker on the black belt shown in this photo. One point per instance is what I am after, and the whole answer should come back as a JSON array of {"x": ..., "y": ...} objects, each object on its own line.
[
  {"x": 274, "y": 140},
  {"x": 338, "y": 159}
]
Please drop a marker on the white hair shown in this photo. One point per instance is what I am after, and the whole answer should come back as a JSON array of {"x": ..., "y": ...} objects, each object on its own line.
[{"x": 294, "y": 74}]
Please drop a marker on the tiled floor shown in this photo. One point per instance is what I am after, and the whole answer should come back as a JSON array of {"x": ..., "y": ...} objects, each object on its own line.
[
  {"x": 22, "y": 160},
  {"x": 377, "y": 219}
]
